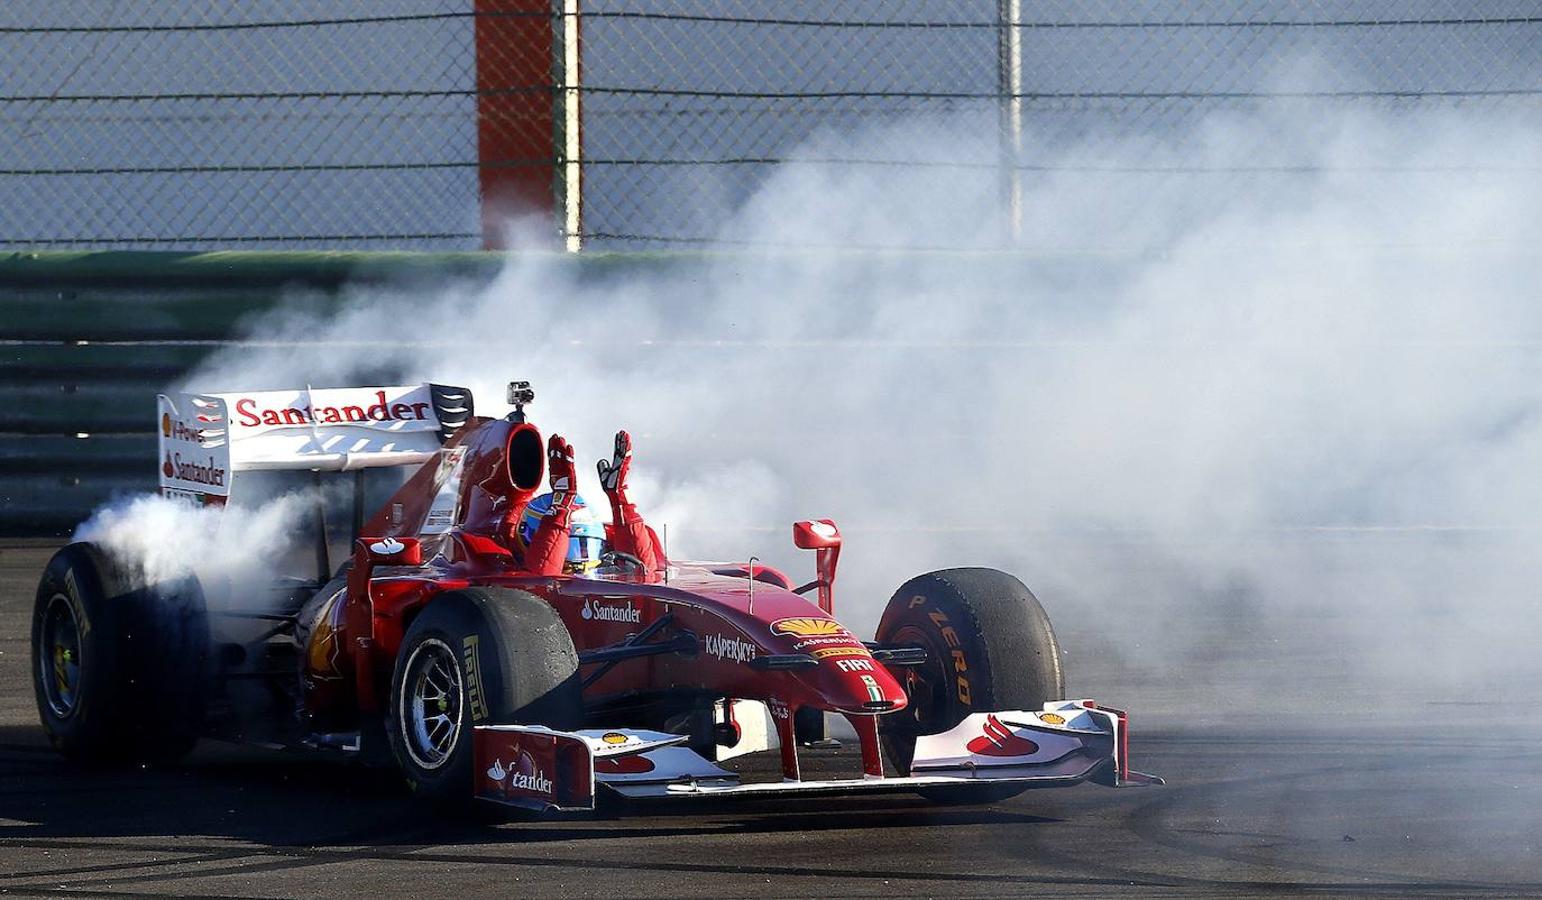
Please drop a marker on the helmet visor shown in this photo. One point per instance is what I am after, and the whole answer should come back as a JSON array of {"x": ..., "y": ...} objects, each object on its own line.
[{"x": 585, "y": 549}]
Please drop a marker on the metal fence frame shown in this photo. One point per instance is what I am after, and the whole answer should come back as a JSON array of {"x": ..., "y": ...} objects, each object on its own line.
[{"x": 604, "y": 118}]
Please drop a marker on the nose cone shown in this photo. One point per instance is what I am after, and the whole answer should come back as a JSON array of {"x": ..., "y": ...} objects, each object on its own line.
[{"x": 858, "y": 684}]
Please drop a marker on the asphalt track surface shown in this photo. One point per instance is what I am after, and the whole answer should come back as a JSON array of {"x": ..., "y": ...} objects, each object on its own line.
[{"x": 1440, "y": 802}]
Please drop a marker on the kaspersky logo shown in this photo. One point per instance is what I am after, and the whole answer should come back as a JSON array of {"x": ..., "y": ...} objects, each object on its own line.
[
  {"x": 604, "y": 612},
  {"x": 733, "y": 648},
  {"x": 808, "y": 627}
]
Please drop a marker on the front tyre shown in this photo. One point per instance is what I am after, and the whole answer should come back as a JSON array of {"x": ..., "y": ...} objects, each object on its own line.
[
  {"x": 479, "y": 656},
  {"x": 989, "y": 647}
]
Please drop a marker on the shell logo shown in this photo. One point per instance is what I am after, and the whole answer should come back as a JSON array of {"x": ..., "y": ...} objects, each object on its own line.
[
  {"x": 807, "y": 627},
  {"x": 613, "y": 737},
  {"x": 1052, "y": 718}
]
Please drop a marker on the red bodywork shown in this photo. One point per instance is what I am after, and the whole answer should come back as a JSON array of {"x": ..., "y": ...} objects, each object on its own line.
[{"x": 734, "y": 618}]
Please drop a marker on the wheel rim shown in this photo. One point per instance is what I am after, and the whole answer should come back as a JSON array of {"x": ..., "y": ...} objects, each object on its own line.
[
  {"x": 924, "y": 683},
  {"x": 59, "y": 662},
  {"x": 430, "y": 705}
]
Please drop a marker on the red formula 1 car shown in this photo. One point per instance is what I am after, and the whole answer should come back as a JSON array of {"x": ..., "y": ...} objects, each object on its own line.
[{"x": 436, "y": 647}]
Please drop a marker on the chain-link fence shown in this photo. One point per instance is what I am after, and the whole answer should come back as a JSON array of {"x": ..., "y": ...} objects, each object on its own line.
[{"x": 399, "y": 124}]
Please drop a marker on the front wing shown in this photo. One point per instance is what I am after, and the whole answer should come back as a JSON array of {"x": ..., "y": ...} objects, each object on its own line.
[{"x": 1065, "y": 743}]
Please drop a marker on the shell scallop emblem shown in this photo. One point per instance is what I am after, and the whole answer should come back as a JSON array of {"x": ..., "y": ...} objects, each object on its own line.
[{"x": 807, "y": 627}]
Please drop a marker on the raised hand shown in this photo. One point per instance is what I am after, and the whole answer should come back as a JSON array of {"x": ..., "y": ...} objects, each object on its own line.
[
  {"x": 548, "y": 546},
  {"x": 564, "y": 479},
  {"x": 630, "y": 535},
  {"x": 613, "y": 471}
]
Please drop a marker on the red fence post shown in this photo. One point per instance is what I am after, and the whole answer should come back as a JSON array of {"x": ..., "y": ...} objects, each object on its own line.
[{"x": 516, "y": 101}]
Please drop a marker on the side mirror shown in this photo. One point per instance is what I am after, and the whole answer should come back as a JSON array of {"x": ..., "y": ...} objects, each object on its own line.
[
  {"x": 815, "y": 534},
  {"x": 820, "y": 535},
  {"x": 395, "y": 552}
]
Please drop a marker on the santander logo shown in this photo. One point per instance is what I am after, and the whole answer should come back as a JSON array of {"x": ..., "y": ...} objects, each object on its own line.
[
  {"x": 998, "y": 740},
  {"x": 250, "y": 415},
  {"x": 626, "y": 612},
  {"x": 209, "y": 473},
  {"x": 521, "y": 775}
]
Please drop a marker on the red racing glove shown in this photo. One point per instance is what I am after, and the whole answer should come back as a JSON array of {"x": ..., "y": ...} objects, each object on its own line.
[
  {"x": 613, "y": 472},
  {"x": 629, "y": 534},
  {"x": 548, "y": 548}
]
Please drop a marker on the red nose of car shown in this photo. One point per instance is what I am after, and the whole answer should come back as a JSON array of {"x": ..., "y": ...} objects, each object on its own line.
[{"x": 857, "y": 684}]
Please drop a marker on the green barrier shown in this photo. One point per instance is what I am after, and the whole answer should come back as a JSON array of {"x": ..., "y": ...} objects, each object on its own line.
[
  {"x": 118, "y": 407},
  {"x": 156, "y": 269},
  {"x": 122, "y": 269},
  {"x": 50, "y": 483},
  {"x": 130, "y": 314},
  {"x": 53, "y": 505},
  {"x": 71, "y": 363},
  {"x": 88, "y": 339},
  {"x": 60, "y": 455}
]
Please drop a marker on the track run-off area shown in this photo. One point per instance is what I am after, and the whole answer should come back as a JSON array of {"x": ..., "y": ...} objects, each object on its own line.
[{"x": 1434, "y": 800}]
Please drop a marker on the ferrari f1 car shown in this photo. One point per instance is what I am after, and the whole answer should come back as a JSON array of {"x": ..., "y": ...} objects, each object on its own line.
[{"x": 432, "y": 648}]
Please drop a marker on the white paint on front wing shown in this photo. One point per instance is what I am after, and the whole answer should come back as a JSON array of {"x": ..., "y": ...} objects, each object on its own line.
[
  {"x": 1042, "y": 742},
  {"x": 606, "y": 742},
  {"x": 707, "y": 788},
  {"x": 670, "y": 764}
]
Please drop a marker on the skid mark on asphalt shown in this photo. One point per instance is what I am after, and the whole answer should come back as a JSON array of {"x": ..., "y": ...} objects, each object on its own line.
[
  {"x": 297, "y": 859},
  {"x": 1150, "y": 821},
  {"x": 186, "y": 860}
]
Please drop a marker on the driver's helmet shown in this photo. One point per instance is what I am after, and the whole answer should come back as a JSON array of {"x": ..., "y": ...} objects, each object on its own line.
[{"x": 586, "y": 533}]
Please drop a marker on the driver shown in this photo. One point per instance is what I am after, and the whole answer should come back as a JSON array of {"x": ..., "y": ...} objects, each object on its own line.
[
  {"x": 586, "y": 533},
  {"x": 560, "y": 531}
]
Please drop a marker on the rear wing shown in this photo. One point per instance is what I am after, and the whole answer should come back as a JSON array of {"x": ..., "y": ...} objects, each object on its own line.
[{"x": 206, "y": 440}]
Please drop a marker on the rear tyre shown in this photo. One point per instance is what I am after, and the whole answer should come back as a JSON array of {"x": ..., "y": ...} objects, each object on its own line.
[
  {"x": 989, "y": 647},
  {"x": 120, "y": 668},
  {"x": 479, "y": 656}
]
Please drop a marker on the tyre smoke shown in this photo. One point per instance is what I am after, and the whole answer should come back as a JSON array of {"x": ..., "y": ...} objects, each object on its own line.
[
  {"x": 1267, "y": 388},
  {"x": 164, "y": 540}
]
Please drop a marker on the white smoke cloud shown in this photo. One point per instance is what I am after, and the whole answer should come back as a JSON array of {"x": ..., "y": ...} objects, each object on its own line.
[
  {"x": 166, "y": 539},
  {"x": 1268, "y": 389}
]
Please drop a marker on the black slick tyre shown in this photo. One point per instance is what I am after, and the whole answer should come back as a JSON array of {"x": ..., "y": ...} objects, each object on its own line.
[
  {"x": 478, "y": 656},
  {"x": 989, "y": 647},
  {"x": 120, "y": 668}
]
